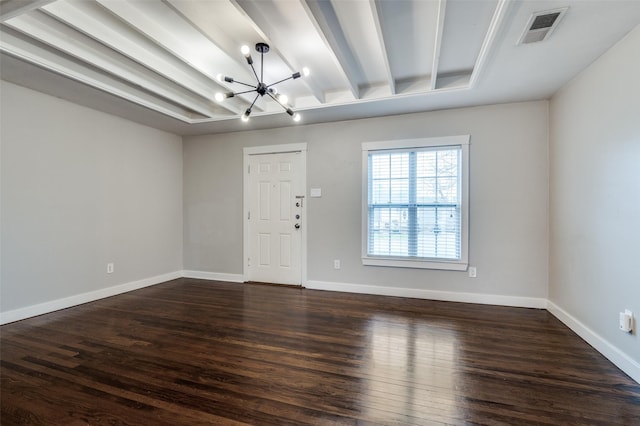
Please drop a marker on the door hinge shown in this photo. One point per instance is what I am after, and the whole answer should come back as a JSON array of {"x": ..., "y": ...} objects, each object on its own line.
[
  {"x": 248, "y": 215},
  {"x": 249, "y": 169}
]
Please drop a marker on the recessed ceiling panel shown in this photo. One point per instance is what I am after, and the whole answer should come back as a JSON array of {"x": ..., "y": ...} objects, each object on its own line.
[
  {"x": 409, "y": 29},
  {"x": 357, "y": 23},
  {"x": 466, "y": 25}
]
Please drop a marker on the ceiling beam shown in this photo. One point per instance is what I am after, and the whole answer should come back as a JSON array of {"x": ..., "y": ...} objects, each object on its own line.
[
  {"x": 375, "y": 10},
  {"x": 322, "y": 16},
  {"x": 47, "y": 30},
  {"x": 489, "y": 39},
  {"x": 160, "y": 23},
  {"x": 14, "y": 44},
  {"x": 442, "y": 8},
  {"x": 191, "y": 13},
  {"x": 12, "y": 8},
  {"x": 133, "y": 45}
]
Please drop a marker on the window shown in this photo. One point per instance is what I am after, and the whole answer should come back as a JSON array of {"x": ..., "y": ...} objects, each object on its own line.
[{"x": 415, "y": 203}]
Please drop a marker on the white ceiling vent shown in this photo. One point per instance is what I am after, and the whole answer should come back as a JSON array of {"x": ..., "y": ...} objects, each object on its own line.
[{"x": 541, "y": 25}]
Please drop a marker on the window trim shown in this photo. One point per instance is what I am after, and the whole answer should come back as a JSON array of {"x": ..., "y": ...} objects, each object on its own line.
[{"x": 461, "y": 141}]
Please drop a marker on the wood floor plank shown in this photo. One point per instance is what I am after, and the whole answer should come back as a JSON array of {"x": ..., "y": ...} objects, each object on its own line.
[{"x": 200, "y": 352}]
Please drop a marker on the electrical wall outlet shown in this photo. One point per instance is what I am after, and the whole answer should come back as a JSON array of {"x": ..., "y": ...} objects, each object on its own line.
[
  {"x": 472, "y": 272},
  {"x": 336, "y": 264},
  {"x": 626, "y": 321},
  {"x": 109, "y": 268}
]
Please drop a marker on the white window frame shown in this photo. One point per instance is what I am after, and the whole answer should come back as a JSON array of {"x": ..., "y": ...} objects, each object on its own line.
[{"x": 461, "y": 264}]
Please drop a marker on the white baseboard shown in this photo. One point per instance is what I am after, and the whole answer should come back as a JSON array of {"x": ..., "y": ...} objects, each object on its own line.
[
  {"x": 612, "y": 353},
  {"x": 449, "y": 296},
  {"x": 78, "y": 299},
  {"x": 214, "y": 276},
  {"x": 615, "y": 355}
]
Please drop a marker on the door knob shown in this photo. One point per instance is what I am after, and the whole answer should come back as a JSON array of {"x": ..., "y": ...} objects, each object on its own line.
[
  {"x": 297, "y": 225},
  {"x": 297, "y": 216},
  {"x": 298, "y": 204}
]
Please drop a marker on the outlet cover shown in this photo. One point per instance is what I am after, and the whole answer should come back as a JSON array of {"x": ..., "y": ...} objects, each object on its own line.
[
  {"x": 626, "y": 321},
  {"x": 472, "y": 272},
  {"x": 109, "y": 268}
]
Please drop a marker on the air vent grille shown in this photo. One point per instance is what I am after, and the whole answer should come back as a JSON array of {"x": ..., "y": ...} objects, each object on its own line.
[
  {"x": 544, "y": 21},
  {"x": 541, "y": 25}
]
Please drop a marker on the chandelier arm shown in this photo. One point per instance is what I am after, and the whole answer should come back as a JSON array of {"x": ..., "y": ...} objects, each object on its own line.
[
  {"x": 280, "y": 81},
  {"x": 245, "y": 84},
  {"x": 242, "y": 93},
  {"x": 254, "y": 101},
  {"x": 276, "y": 99},
  {"x": 255, "y": 73}
]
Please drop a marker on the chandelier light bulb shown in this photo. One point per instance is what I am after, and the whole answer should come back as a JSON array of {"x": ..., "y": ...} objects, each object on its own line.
[
  {"x": 245, "y": 118},
  {"x": 219, "y": 97},
  {"x": 296, "y": 117},
  {"x": 306, "y": 71},
  {"x": 245, "y": 50},
  {"x": 283, "y": 98},
  {"x": 220, "y": 77}
]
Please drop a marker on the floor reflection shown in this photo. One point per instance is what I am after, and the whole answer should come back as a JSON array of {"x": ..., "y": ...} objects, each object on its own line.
[{"x": 410, "y": 372}]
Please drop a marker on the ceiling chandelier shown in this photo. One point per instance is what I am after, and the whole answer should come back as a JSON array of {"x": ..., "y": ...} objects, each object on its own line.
[{"x": 261, "y": 88}]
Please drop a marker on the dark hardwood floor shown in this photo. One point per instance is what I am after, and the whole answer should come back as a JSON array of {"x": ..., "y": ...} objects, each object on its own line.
[{"x": 197, "y": 352}]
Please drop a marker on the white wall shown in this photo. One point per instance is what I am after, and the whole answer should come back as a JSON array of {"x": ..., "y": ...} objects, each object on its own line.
[
  {"x": 508, "y": 207},
  {"x": 595, "y": 201},
  {"x": 81, "y": 188}
]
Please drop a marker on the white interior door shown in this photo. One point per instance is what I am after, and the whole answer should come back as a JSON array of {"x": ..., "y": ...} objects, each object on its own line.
[{"x": 276, "y": 200}]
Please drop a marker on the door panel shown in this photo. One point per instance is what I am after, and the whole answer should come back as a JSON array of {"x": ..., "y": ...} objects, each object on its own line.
[
  {"x": 285, "y": 200},
  {"x": 265, "y": 250},
  {"x": 265, "y": 200},
  {"x": 285, "y": 251},
  {"x": 275, "y": 243}
]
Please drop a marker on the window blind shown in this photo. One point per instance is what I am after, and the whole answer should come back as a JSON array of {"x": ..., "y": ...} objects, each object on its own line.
[{"x": 414, "y": 203}]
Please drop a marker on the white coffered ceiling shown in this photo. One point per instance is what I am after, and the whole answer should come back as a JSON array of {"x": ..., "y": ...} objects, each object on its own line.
[{"x": 159, "y": 62}]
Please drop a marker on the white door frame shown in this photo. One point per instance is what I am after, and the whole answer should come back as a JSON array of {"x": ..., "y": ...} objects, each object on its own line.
[{"x": 273, "y": 149}]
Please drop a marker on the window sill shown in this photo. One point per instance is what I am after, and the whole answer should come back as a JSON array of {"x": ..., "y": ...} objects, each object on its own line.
[{"x": 414, "y": 263}]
